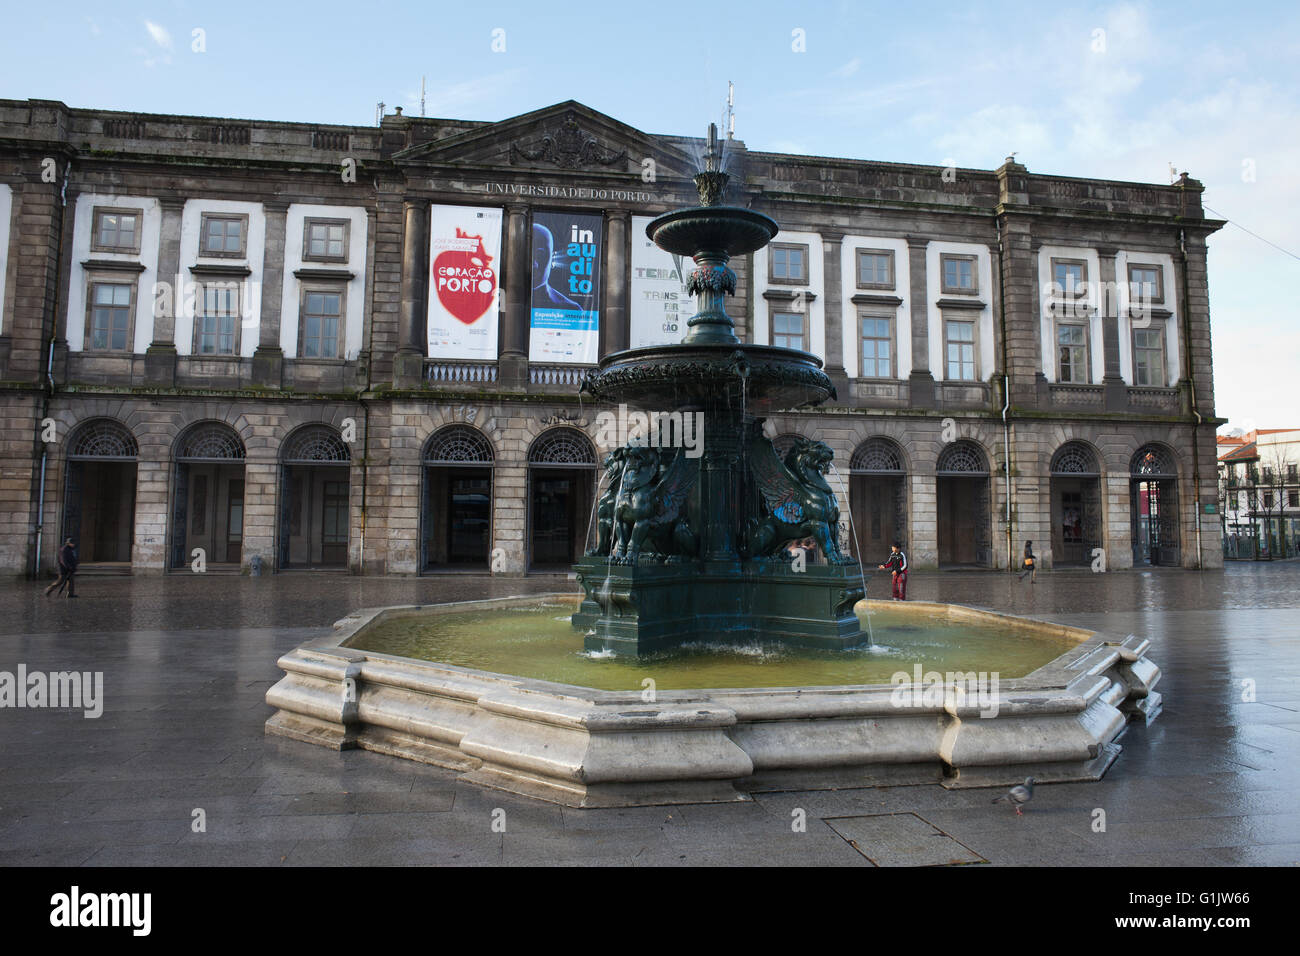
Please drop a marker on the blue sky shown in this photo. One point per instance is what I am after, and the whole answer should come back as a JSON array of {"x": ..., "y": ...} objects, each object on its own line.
[{"x": 1211, "y": 88}]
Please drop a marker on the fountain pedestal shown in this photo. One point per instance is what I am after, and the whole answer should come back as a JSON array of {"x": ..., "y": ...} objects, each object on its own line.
[
  {"x": 693, "y": 537},
  {"x": 645, "y": 609}
]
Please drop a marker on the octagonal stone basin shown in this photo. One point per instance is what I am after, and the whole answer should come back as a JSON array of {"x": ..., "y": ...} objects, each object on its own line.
[{"x": 585, "y": 747}]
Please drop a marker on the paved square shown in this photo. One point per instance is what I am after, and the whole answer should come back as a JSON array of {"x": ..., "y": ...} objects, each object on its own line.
[{"x": 187, "y": 661}]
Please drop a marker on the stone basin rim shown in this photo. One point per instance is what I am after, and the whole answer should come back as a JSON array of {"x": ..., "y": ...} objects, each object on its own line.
[{"x": 582, "y": 747}]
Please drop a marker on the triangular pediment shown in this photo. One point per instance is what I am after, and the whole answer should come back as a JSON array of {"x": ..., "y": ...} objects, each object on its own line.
[{"x": 565, "y": 137}]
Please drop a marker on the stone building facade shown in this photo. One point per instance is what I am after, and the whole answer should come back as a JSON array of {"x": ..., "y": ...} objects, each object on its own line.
[{"x": 1016, "y": 356}]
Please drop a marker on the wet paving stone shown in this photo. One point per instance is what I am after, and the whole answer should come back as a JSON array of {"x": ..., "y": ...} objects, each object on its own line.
[
  {"x": 902, "y": 839},
  {"x": 187, "y": 662}
]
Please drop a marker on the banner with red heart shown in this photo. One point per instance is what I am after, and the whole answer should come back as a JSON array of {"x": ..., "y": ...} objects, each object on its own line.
[{"x": 464, "y": 246}]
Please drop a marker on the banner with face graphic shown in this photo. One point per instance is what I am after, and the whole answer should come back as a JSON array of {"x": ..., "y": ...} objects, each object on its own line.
[
  {"x": 660, "y": 305},
  {"x": 565, "y": 317},
  {"x": 464, "y": 286}
]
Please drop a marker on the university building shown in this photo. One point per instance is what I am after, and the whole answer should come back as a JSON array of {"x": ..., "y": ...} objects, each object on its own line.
[{"x": 344, "y": 347}]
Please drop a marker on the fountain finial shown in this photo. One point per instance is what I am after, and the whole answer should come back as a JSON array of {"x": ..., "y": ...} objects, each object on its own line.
[{"x": 712, "y": 181}]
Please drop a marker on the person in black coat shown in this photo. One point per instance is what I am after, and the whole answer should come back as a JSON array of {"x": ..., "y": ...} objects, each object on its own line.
[
  {"x": 1031, "y": 564},
  {"x": 67, "y": 569}
]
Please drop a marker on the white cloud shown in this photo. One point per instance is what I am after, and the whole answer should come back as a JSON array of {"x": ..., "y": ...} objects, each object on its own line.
[
  {"x": 848, "y": 69},
  {"x": 983, "y": 138},
  {"x": 456, "y": 98},
  {"x": 159, "y": 34}
]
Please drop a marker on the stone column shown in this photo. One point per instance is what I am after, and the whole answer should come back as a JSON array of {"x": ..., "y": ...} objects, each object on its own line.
[
  {"x": 261, "y": 484},
  {"x": 920, "y": 381},
  {"x": 509, "y": 518},
  {"x": 149, "y": 549},
  {"x": 513, "y": 361},
  {"x": 160, "y": 357},
  {"x": 923, "y": 532},
  {"x": 614, "y": 323},
  {"x": 1018, "y": 285},
  {"x": 1116, "y": 491},
  {"x": 1116, "y": 392},
  {"x": 833, "y": 310},
  {"x": 408, "y": 366},
  {"x": 268, "y": 358}
]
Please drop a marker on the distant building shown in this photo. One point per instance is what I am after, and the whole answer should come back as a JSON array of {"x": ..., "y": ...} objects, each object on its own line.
[
  {"x": 345, "y": 347},
  {"x": 1259, "y": 493}
]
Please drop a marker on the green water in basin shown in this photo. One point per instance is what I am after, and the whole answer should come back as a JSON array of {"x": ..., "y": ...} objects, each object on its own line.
[{"x": 538, "y": 641}]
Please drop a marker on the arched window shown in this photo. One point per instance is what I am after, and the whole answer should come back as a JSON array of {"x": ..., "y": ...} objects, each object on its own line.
[
  {"x": 103, "y": 438},
  {"x": 1153, "y": 461},
  {"x": 1075, "y": 458},
  {"x": 210, "y": 441},
  {"x": 562, "y": 447},
  {"x": 314, "y": 445},
  {"x": 877, "y": 456},
  {"x": 458, "y": 445},
  {"x": 962, "y": 458}
]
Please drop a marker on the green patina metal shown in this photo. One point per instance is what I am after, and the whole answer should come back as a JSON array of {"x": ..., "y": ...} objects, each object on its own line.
[{"x": 693, "y": 539}]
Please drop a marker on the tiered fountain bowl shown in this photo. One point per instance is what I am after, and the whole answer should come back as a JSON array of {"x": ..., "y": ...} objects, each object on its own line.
[{"x": 694, "y": 544}]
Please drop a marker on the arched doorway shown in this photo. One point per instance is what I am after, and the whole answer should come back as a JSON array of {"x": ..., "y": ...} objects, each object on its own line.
[
  {"x": 962, "y": 502},
  {"x": 878, "y": 493},
  {"x": 99, "y": 492},
  {"x": 1153, "y": 483},
  {"x": 315, "y": 468},
  {"x": 561, "y": 486},
  {"x": 456, "y": 516},
  {"x": 208, "y": 496},
  {"x": 1076, "y": 504}
]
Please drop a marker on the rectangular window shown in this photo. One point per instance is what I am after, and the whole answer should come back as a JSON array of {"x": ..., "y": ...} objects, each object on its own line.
[
  {"x": 1071, "y": 509},
  {"x": 1291, "y": 472},
  {"x": 1293, "y": 499},
  {"x": 325, "y": 240},
  {"x": 959, "y": 274},
  {"x": 110, "y": 316},
  {"x": 322, "y": 322},
  {"x": 1145, "y": 283},
  {"x": 216, "y": 327},
  {"x": 1268, "y": 475},
  {"x": 1268, "y": 500},
  {"x": 1070, "y": 277},
  {"x": 875, "y": 269},
  {"x": 235, "y": 511},
  {"x": 199, "y": 521},
  {"x": 787, "y": 330},
  {"x": 877, "y": 347},
  {"x": 295, "y": 512},
  {"x": 223, "y": 235},
  {"x": 1072, "y": 353},
  {"x": 116, "y": 230},
  {"x": 334, "y": 523},
  {"x": 789, "y": 263},
  {"x": 960, "y": 345},
  {"x": 1149, "y": 357}
]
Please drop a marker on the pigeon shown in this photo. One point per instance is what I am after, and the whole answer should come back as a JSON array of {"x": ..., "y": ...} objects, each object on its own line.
[{"x": 1018, "y": 795}]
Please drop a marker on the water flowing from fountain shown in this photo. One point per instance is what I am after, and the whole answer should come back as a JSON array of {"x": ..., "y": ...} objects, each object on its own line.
[{"x": 857, "y": 550}]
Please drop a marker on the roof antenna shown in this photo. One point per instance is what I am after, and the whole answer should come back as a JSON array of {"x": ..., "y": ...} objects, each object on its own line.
[
  {"x": 729, "y": 115},
  {"x": 421, "y": 97},
  {"x": 379, "y": 113}
]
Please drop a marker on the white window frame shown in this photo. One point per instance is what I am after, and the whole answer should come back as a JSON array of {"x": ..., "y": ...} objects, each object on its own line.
[{"x": 891, "y": 318}]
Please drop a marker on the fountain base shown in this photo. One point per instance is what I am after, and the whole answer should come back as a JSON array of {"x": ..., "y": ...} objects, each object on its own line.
[
  {"x": 644, "y": 609},
  {"x": 582, "y": 747}
]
